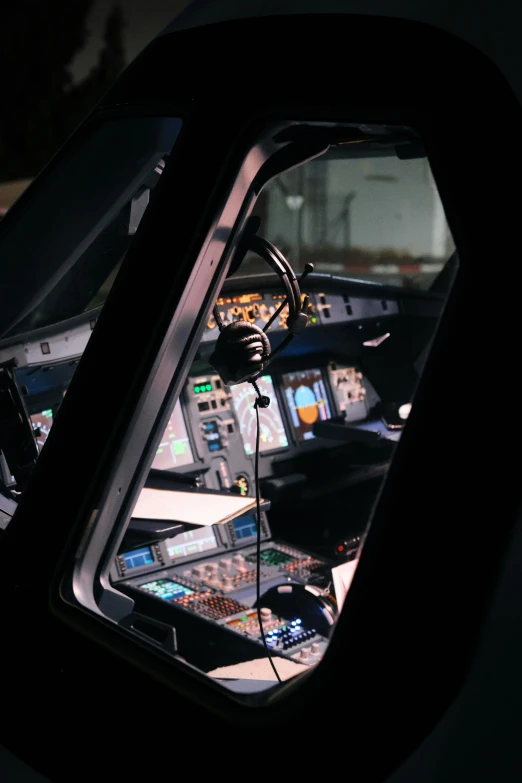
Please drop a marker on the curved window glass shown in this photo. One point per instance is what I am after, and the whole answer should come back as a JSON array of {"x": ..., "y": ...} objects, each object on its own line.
[
  {"x": 69, "y": 233},
  {"x": 375, "y": 218}
]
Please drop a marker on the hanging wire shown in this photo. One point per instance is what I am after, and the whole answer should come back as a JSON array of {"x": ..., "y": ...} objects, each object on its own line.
[{"x": 262, "y": 401}]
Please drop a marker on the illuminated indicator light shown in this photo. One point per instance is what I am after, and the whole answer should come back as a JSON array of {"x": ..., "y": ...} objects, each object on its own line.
[
  {"x": 404, "y": 410},
  {"x": 209, "y": 387},
  {"x": 313, "y": 320},
  {"x": 197, "y": 389},
  {"x": 340, "y": 548},
  {"x": 284, "y": 627},
  {"x": 244, "y": 618}
]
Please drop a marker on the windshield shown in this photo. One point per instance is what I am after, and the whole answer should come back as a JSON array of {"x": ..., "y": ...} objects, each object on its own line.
[
  {"x": 334, "y": 212},
  {"x": 73, "y": 228},
  {"x": 376, "y": 218}
]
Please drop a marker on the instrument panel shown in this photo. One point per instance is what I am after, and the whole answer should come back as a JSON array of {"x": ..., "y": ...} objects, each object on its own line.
[
  {"x": 212, "y": 430},
  {"x": 325, "y": 308},
  {"x": 212, "y": 573},
  {"x": 255, "y": 308}
]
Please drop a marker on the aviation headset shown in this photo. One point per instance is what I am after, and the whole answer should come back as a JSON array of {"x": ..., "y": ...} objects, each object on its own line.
[{"x": 242, "y": 349}]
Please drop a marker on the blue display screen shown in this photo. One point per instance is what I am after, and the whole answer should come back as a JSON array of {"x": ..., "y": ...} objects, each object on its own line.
[
  {"x": 245, "y": 526},
  {"x": 138, "y": 557},
  {"x": 212, "y": 436},
  {"x": 166, "y": 589}
]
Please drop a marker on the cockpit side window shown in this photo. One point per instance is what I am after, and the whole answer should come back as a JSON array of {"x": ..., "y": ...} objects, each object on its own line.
[
  {"x": 255, "y": 593},
  {"x": 336, "y": 213},
  {"x": 69, "y": 237},
  {"x": 69, "y": 233}
]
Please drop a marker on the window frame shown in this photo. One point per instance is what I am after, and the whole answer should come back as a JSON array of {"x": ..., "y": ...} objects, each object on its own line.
[
  {"x": 87, "y": 588},
  {"x": 69, "y": 150}
]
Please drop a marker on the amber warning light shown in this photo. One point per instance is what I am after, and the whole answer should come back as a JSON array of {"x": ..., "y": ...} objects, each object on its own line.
[{"x": 243, "y": 299}]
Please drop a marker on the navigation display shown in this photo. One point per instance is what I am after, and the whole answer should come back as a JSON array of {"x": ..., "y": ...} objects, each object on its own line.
[
  {"x": 44, "y": 420},
  {"x": 272, "y": 433},
  {"x": 307, "y": 401},
  {"x": 245, "y": 526},
  {"x": 174, "y": 450},
  {"x": 191, "y": 543},
  {"x": 138, "y": 557}
]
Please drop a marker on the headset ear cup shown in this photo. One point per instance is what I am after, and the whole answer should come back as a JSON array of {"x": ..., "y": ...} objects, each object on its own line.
[{"x": 241, "y": 350}]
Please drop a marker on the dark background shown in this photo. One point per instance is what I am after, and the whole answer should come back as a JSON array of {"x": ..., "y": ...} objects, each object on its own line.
[{"x": 57, "y": 58}]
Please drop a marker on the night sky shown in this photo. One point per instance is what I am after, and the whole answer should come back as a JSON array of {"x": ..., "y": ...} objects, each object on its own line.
[
  {"x": 144, "y": 19},
  {"x": 493, "y": 27}
]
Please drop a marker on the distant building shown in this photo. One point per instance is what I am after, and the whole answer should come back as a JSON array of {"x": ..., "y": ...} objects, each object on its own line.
[{"x": 376, "y": 218}]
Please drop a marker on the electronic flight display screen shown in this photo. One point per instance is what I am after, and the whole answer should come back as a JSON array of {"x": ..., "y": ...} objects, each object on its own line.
[
  {"x": 193, "y": 542},
  {"x": 166, "y": 589},
  {"x": 44, "y": 421},
  {"x": 272, "y": 433},
  {"x": 138, "y": 557},
  {"x": 174, "y": 451},
  {"x": 307, "y": 401},
  {"x": 245, "y": 526}
]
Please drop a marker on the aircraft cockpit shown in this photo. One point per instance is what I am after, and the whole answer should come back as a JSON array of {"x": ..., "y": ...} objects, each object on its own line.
[
  {"x": 246, "y": 468},
  {"x": 242, "y": 545}
]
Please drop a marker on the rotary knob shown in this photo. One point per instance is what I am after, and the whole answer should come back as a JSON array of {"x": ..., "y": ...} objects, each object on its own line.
[
  {"x": 198, "y": 572},
  {"x": 212, "y": 568},
  {"x": 227, "y": 583},
  {"x": 225, "y": 563},
  {"x": 266, "y": 614},
  {"x": 238, "y": 560},
  {"x": 304, "y": 655},
  {"x": 316, "y": 648}
]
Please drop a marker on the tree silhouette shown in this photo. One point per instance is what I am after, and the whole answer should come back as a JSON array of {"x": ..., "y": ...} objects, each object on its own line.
[{"x": 40, "y": 103}]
